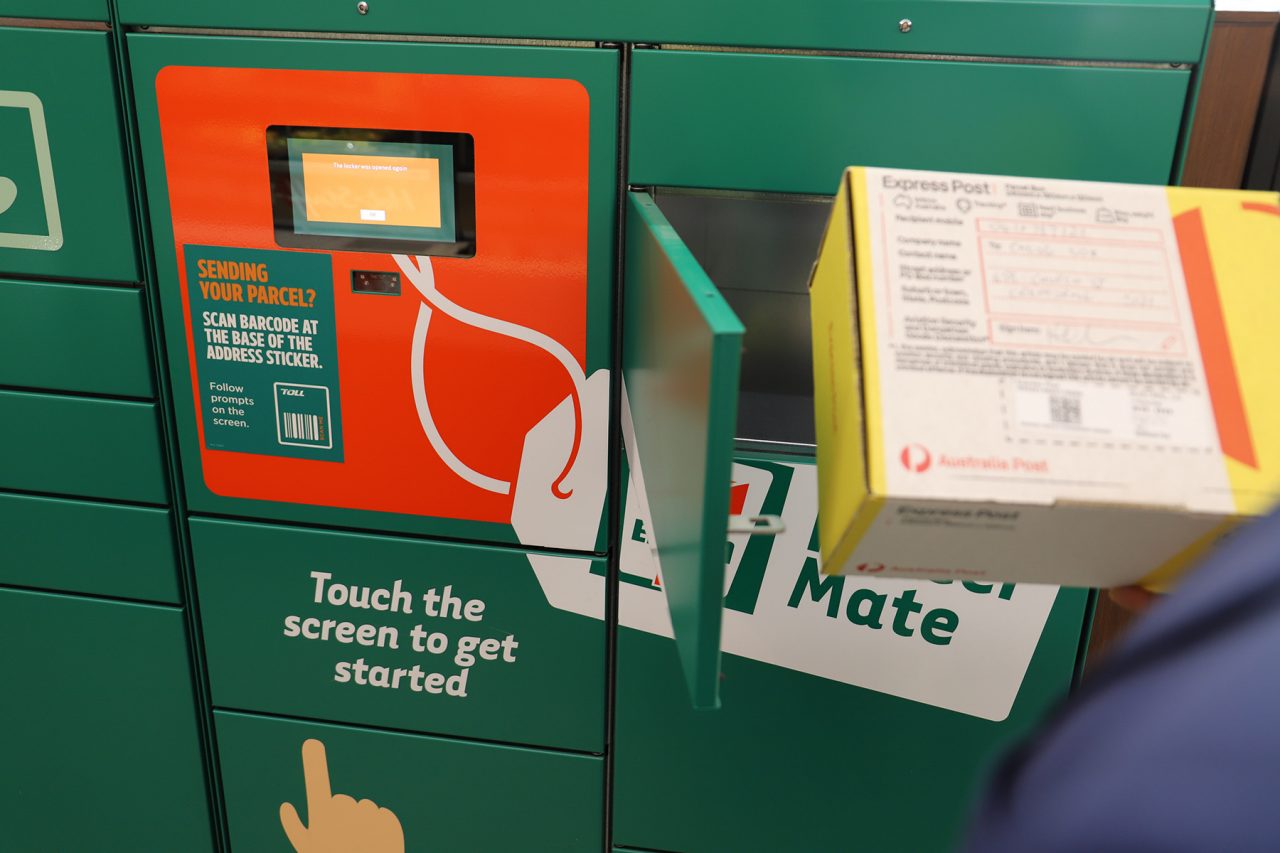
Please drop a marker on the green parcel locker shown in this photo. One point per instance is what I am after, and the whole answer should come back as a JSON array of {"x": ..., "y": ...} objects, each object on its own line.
[
  {"x": 856, "y": 714},
  {"x": 75, "y": 337},
  {"x": 409, "y": 634},
  {"x": 346, "y": 366},
  {"x": 89, "y": 547},
  {"x": 98, "y": 728},
  {"x": 65, "y": 209}
]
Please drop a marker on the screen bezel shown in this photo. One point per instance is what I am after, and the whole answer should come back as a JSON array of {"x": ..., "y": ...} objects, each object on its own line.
[{"x": 464, "y": 192}]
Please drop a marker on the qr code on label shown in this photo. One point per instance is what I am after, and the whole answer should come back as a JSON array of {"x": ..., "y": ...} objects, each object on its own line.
[
  {"x": 1027, "y": 208},
  {"x": 1064, "y": 410}
]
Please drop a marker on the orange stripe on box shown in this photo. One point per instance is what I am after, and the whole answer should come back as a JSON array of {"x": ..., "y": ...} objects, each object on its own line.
[
  {"x": 1215, "y": 344},
  {"x": 1257, "y": 207}
]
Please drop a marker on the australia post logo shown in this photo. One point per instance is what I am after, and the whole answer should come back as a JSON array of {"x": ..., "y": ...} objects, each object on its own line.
[{"x": 916, "y": 458}]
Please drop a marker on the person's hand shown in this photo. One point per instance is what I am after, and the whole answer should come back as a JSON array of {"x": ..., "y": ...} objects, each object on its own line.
[
  {"x": 336, "y": 822},
  {"x": 540, "y": 516},
  {"x": 1135, "y": 599}
]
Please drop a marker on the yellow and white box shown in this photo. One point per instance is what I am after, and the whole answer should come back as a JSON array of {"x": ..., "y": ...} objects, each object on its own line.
[{"x": 1023, "y": 379}]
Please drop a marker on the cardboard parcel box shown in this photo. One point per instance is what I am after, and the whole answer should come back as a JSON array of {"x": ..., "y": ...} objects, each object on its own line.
[{"x": 1021, "y": 379}]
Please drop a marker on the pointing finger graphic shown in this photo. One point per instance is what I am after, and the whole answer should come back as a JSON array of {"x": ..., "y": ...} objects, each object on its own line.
[
  {"x": 315, "y": 773},
  {"x": 337, "y": 823}
]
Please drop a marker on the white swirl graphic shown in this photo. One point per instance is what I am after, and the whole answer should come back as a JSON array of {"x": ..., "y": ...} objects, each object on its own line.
[{"x": 422, "y": 276}]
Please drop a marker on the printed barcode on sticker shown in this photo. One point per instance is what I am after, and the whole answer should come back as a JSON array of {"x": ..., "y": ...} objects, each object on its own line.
[
  {"x": 1064, "y": 410},
  {"x": 303, "y": 427}
]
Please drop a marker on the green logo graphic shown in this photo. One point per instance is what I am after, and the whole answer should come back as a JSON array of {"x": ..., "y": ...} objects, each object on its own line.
[{"x": 28, "y": 199}]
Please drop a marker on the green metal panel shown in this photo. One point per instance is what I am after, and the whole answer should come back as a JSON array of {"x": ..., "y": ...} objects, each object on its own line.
[
  {"x": 596, "y": 69},
  {"x": 98, "y": 728},
  {"x": 795, "y": 762},
  {"x": 96, "y": 548},
  {"x": 445, "y": 794},
  {"x": 899, "y": 776},
  {"x": 74, "y": 338},
  {"x": 554, "y": 672},
  {"x": 60, "y": 10},
  {"x": 78, "y": 446},
  {"x": 1193, "y": 98},
  {"x": 1145, "y": 30},
  {"x": 682, "y": 346},
  {"x": 792, "y": 124},
  {"x": 566, "y": 19},
  {"x": 64, "y": 152}
]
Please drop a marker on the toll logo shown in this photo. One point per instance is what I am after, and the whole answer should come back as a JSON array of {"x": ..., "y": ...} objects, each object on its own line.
[{"x": 916, "y": 458}]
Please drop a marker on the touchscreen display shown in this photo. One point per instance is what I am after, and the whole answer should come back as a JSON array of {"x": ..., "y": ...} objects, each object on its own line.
[{"x": 373, "y": 190}]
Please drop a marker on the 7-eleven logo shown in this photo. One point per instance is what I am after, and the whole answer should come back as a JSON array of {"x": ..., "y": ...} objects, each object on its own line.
[
  {"x": 737, "y": 503},
  {"x": 637, "y": 562}
]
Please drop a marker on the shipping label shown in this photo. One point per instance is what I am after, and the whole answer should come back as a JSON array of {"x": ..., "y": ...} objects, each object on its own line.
[{"x": 1035, "y": 342}]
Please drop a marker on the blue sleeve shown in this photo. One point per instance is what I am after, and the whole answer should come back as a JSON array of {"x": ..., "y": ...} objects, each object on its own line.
[{"x": 1175, "y": 744}]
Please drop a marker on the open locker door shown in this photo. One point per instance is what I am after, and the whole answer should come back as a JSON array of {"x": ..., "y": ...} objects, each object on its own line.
[{"x": 682, "y": 349}]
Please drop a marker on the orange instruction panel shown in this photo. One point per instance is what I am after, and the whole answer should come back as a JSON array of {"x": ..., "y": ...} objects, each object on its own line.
[{"x": 396, "y": 321}]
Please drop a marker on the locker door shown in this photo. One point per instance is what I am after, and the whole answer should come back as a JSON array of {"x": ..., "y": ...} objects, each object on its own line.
[{"x": 681, "y": 356}]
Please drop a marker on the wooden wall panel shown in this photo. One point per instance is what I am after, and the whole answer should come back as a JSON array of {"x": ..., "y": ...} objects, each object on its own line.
[{"x": 1234, "y": 73}]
